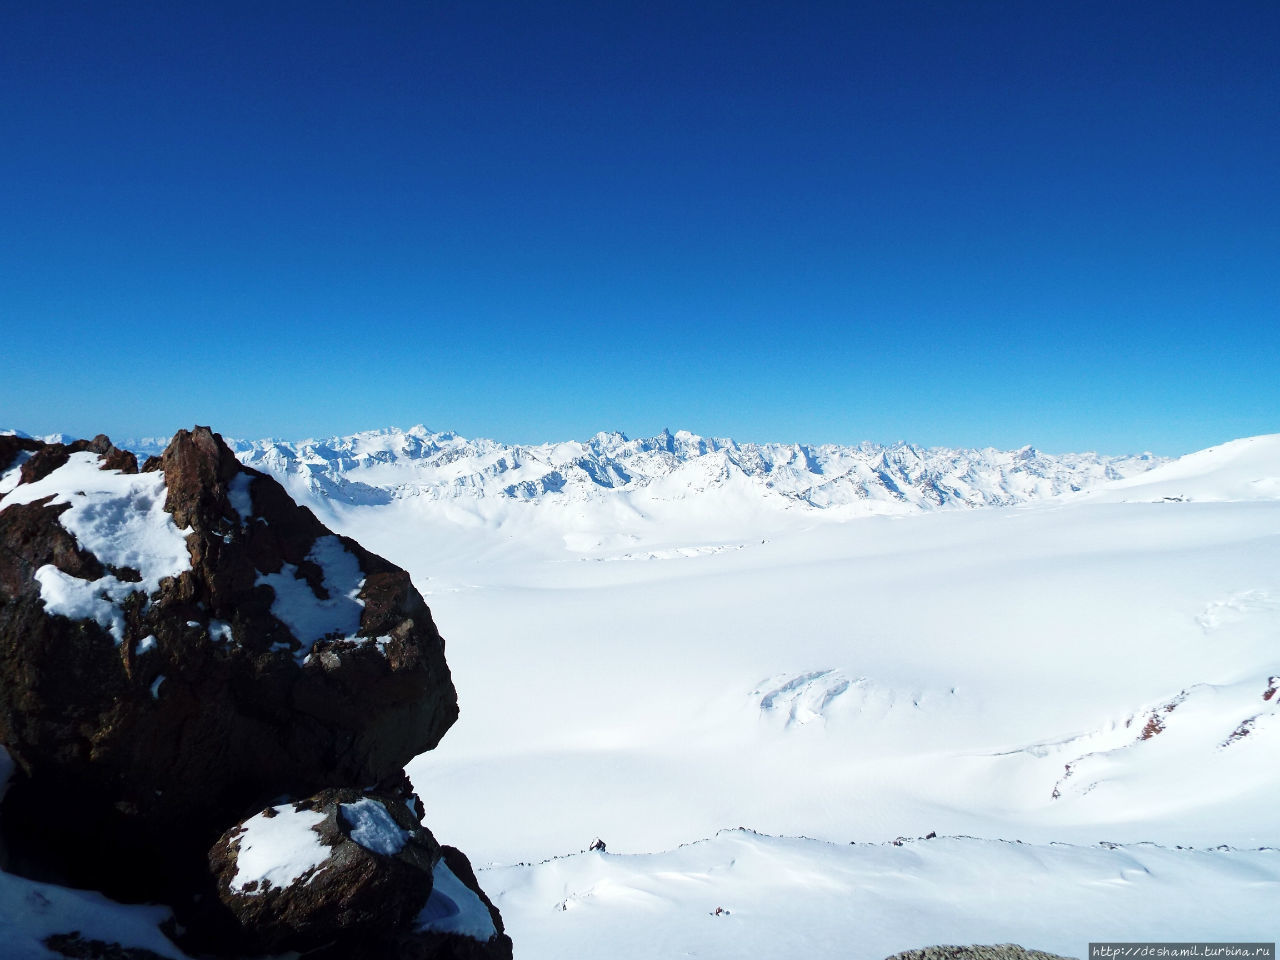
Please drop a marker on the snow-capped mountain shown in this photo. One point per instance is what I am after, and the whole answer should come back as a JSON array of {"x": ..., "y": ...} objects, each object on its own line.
[{"x": 383, "y": 465}]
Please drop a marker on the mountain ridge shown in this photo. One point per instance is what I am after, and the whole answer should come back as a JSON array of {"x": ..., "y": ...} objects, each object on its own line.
[{"x": 376, "y": 466}]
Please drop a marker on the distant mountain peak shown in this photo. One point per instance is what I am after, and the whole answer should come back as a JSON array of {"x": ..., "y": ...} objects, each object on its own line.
[{"x": 378, "y": 466}]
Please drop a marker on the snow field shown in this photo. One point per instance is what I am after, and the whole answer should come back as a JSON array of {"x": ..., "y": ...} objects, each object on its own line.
[
  {"x": 798, "y": 897},
  {"x": 626, "y": 700}
]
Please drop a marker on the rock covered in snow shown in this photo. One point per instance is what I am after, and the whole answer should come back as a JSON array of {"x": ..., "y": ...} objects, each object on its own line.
[
  {"x": 352, "y": 875},
  {"x": 182, "y": 644},
  {"x": 342, "y": 865}
]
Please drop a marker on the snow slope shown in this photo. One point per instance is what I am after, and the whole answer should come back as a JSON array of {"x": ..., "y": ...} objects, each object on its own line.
[
  {"x": 653, "y": 670},
  {"x": 790, "y": 897},
  {"x": 1247, "y": 469}
]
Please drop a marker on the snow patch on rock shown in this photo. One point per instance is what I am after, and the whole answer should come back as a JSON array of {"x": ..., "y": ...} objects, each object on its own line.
[
  {"x": 241, "y": 499},
  {"x": 10, "y": 477},
  {"x": 373, "y": 827},
  {"x": 455, "y": 908},
  {"x": 308, "y": 616},
  {"x": 278, "y": 848},
  {"x": 120, "y": 519}
]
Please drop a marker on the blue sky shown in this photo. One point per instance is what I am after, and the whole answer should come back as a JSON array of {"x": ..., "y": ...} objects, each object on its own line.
[{"x": 966, "y": 223}]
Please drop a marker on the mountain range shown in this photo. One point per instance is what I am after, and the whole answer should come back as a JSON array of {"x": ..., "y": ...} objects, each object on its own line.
[{"x": 379, "y": 466}]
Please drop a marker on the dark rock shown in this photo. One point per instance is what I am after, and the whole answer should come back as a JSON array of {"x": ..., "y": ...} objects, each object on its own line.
[
  {"x": 1000, "y": 951},
  {"x": 420, "y": 941},
  {"x": 362, "y": 871},
  {"x": 28, "y": 540},
  {"x": 265, "y": 657},
  {"x": 134, "y": 753},
  {"x": 597, "y": 844},
  {"x": 49, "y": 457},
  {"x": 74, "y": 945},
  {"x": 11, "y": 446}
]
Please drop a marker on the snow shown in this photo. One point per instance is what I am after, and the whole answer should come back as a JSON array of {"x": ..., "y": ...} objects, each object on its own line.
[
  {"x": 31, "y": 911},
  {"x": 1075, "y": 690},
  {"x": 118, "y": 517},
  {"x": 155, "y": 687},
  {"x": 1242, "y": 470},
  {"x": 98, "y": 600},
  {"x": 309, "y": 617},
  {"x": 884, "y": 676},
  {"x": 278, "y": 850},
  {"x": 845, "y": 676},
  {"x": 964, "y": 638},
  {"x": 786, "y": 897},
  {"x": 379, "y": 467},
  {"x": 373, "y": 827},
  {"x": 454, "y": 908},
  {"x": 240, "y": 497},
  {"x": 13, "y": 473}
]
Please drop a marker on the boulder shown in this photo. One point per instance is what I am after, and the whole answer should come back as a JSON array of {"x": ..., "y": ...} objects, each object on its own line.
[
  {"x": 181, "y": 645},
  {"x": 343, "y": 868},
  {"x": 458, "y": 923}
]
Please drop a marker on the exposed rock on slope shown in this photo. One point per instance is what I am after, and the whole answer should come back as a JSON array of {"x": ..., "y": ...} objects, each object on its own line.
[
  {"x": 184, "y": 645},
  {"x": 999, "y": 951}
]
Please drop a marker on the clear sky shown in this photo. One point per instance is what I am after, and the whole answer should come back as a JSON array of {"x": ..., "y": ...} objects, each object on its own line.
[{"x": 961, "y": 223}]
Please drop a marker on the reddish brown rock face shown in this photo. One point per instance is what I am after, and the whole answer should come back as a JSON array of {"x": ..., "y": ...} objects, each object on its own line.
[{"x": 280, "y": 660}]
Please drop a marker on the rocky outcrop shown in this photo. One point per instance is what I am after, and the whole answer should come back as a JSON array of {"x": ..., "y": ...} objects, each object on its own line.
[
  {"x": 184, "y": 645},
  {"x": 77, "y": 947},
  {"x": 999, "y": 951}
]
